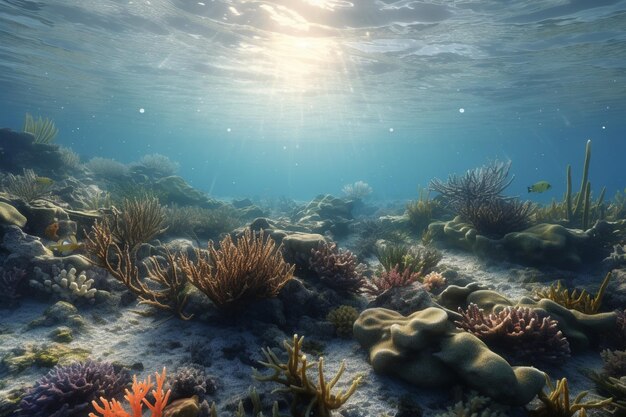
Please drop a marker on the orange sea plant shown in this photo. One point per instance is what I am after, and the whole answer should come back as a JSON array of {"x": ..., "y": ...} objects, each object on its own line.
[{"x": 136, "y": 399}]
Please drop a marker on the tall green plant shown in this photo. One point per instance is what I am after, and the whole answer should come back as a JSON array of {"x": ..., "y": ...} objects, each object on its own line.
[{"x": 44, "y": 130}]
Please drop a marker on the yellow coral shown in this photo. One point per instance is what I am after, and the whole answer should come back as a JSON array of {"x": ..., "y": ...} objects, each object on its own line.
[{"x": 582, "y": 302}]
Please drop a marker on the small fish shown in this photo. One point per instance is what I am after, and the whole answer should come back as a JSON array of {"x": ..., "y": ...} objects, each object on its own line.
[
  {"x": 539, "y": 187},
  {"x": 66, "y": 245},
  {"x": 44, "y": 181},
  {"x": 52, "y": 231}
]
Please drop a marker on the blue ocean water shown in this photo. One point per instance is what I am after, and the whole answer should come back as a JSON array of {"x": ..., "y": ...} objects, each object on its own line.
[{"x": 299, "y": 97}]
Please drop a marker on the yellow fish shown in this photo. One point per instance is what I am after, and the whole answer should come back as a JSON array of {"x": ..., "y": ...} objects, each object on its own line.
[
  {"x": 44, "y": 181},
  {"x": 539, "y": 187},
  {"x": 66, "y": 245}
]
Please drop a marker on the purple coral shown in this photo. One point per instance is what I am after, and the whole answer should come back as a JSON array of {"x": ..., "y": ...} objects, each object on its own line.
[
  {"x": 516, "y": 331},
  {"x": 67, "y": 391},
  {"x": 337, "y": 268},
  {"x": 190, "y": 380}
]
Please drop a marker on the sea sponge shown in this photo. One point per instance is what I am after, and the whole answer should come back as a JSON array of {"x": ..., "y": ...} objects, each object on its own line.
[
  {"x": 67, "y": 391},
  {"x": 425, "y": 349},
  {"x": 343, "y": 318}
]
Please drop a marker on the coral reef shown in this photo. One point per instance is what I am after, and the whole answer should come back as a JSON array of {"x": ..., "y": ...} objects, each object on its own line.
[
  {"x": 196, "y": 222},
  {"x": 517, "y": 330},
  {"x": 136, "y": 399},
  {"x": 582, "y": 302},
  {"x": 156, "y": 165},
  {"x": 107, "y": 168},
  {"x": 343, "y": 318},
  {"x": 339, "y": 269},
  {"x": 67, "y": 391},
  {"x": 557, "y": 402},
  {"x": 65, "y": 284},
  {"x": 235, "y": 273},
  {"x": 426, "y": 343},
  {"x": 434, "y": 281},
  {"x": 539, "y": 245},
  {"x": 140, "y": 220},
  {"x": 315, "y": 398},
  {"x": 581, "y": 330}
]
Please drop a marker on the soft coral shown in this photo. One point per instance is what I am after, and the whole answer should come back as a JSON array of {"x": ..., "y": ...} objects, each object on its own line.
[{"x": 136, "y": 399}]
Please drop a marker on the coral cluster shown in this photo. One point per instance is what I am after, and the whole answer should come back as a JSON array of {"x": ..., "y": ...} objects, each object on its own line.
[
  {"x": 557, "y": 402},
  {"x": 427, "y": 343},
  {"x": 28, "y": 186},
  {"x": 390, "y": 279},
  {"x": 518, "y": 330},
  {"x": 238, "y": 272},
  {"x": 67, "y": 391},
  {"x": 337, "y": 268},
  {"x": 136, "y": 398},
  {"x": 582, "y": 302},
  {"x": 343, "y": 318},
  {"x": 319, "y": 398},
  {"x": 190, "y": 380},
  {"x": 476, "y": 405},
  {"x": 65, "y": 284}
]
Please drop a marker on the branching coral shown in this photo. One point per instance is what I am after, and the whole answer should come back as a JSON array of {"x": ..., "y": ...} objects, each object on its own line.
[
  {"x": 518, "y": 330},
  {"x": 614, "y": 362},
  {"x": 67, "y": 391},
  {"x": 106, "y": 253},
  {"x": 582, "y": 302},
  {"x": 136, "y": 399},
  {"x": 28, "y": 186},
  {"x": 496, "y": 217},
  {"x": 434, "y": 281},
  {"x": 235, "y": 273},
  {"x": 557, "y": 402},
  {"x": 614, "y": 387},
  {"x": 390, "y": 279},
  {"x": 337, "y": 268},
  {"x": 139, "y": 221},
  {"x": 317, "y": 398}
]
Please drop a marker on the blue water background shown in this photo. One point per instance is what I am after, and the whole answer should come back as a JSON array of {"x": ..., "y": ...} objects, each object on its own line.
[{"x": 396, "y": 96}]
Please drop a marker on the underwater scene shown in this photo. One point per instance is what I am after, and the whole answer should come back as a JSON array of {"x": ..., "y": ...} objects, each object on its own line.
[{"x": 312, "y": 208}]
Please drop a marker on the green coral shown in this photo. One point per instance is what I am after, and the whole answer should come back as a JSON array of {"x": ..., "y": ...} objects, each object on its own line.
[
  {"x": 46, "y": 356},
  {"x": 343, "y": 318}
]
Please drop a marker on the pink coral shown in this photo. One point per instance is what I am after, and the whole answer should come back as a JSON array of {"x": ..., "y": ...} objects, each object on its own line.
[
  {"x": 337, "y": 268},
  {"x": 390, "y": 279},
  {"x": 516, "y": 331}
]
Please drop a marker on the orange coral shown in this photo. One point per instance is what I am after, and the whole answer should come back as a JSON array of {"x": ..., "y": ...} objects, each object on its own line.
[{"x": 136, "y": 399}]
